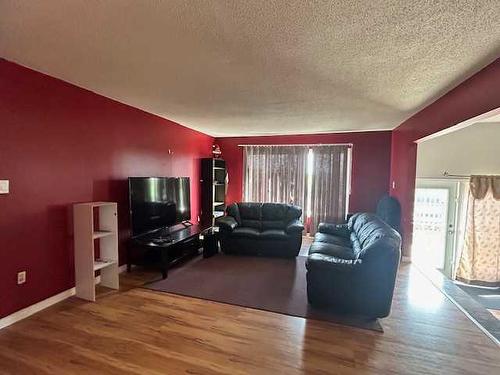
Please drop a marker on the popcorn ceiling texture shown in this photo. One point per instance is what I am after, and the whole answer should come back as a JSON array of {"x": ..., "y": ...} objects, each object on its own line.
[{"x": 230, "y": 68}]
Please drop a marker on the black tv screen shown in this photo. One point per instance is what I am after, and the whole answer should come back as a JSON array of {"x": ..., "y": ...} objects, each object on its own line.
[{"x": 158, "y": 202}]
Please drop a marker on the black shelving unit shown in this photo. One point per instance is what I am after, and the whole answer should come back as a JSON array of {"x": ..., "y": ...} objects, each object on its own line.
[{"x": 213, "y": 189}]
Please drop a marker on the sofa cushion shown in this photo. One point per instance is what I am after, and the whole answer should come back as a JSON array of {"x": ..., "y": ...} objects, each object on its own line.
[
  {"x": 367, "y": 231},
  {"x": 330, "y": 238},
  {"x": 337, "y": 251},
  {"x": 234, "y": 211},
  {"x": 364, "y": 225},
  {"x": 340, "y": 230},
  {"x": 251, "y": 214},
  {"x": 293, "y": 212},
  {"x": 356, "y": 246},
  {"x": 295, "y": 227},
  {"x": 272, "y": 224},
  {"x": 274, "y": 211},
  {"x": 245, "y": 232},
  {"x": 250, "y": 211},
  {"x": 273, "y": 216},
  {"x": 256, "y": 224},
  {"x": 274, "y": 234}
]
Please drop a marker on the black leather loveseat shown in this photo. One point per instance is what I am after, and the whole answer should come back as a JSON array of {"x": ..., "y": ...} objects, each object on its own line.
[
  {"x": 352, "y": 267},
  {"x": 268, "y": 229}
]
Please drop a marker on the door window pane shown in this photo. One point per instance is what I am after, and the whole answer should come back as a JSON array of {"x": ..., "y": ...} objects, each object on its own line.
[{"x": 430, "y": 226}]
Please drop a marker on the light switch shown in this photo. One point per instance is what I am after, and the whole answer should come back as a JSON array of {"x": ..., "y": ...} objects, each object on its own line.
[{"x": 4, "y": 186}]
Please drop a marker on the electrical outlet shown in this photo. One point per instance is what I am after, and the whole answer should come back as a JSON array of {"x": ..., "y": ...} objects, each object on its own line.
[
  {"x": 4, "y": 186},
  {"x": 21, "y": 277}
]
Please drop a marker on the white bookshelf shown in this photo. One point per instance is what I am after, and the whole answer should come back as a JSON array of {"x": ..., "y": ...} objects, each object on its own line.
[{"x": 86, "y": 234}]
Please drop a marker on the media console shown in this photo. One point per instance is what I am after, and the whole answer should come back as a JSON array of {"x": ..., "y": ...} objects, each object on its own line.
[{"x": 165, "y": 247}]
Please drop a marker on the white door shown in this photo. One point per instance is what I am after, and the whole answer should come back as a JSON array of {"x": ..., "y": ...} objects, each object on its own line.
[{"x": 434, "y": 224}]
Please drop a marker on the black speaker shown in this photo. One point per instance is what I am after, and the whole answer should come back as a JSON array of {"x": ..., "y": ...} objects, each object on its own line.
[{"x": 210, "y": 244}]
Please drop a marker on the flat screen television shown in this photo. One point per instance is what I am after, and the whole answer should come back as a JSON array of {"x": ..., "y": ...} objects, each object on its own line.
[{"x": 158, "y": 202}]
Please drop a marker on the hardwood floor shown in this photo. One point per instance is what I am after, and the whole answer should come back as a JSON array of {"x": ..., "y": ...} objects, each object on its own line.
[{"x": 138, "y": 331}]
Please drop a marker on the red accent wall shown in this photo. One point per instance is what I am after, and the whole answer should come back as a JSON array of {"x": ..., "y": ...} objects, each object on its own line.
[
  {"x": 371, "y": 156},
  {"x": 477, "y": 95},
  {"x": 61, "y": 144}
]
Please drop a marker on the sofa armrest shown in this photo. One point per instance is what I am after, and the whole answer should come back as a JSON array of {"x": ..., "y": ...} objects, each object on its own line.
[
  {"x": 340, "y": 230},
  {"x": 330, "y": 262},
  {"x": 294, "y": 227},
  {"x": 227, "y": 223}
]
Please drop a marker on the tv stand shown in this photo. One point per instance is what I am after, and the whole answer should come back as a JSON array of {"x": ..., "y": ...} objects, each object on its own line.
[{"x": 164, "y": 251}]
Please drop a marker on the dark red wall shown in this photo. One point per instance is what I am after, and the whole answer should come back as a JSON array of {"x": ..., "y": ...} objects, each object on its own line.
[
  {"x": 475, "y": 96},
  {"x": 371, "y": 156},
  {"x": 61, "y": 144}
]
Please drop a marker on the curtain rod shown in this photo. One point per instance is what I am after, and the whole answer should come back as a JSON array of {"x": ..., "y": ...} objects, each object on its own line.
[
  {"x": 446, "y": 174},
  {"x": 301, "y": 144},
  {"x": 442, "y": 178}
]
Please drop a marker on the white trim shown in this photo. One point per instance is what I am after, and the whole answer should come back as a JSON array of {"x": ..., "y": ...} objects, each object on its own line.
[
  {"x": 461, "y": 125},
  {"x": 122, "y": 268},
  {"x": 33, "y": 309},
  {"x": 322, "y": 132},
  {"x": 39, "y": 306},
  {"x": 405, "y": 259},
  {"x": 297, "y": 144}
]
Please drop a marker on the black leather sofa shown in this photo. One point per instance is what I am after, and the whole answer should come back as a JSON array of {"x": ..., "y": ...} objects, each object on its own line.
[
  {"x": 267, "y": 229},
  {"x": 351, "y": 268}
]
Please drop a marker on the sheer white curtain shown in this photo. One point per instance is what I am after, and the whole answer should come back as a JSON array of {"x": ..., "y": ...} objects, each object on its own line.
[
  {"x": 280, "y": 174},
  {"x": 330, "y": 179},
  {"x": 275, "y": 174}
]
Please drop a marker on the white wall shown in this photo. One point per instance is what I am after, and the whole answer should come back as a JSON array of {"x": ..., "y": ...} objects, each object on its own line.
[{"x": 472, "y": 150}]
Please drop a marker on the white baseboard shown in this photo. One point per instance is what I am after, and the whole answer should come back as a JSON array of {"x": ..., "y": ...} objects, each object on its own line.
[
  {"x": 39, "y": 306},
  {"x": 30, "y": 310},
  {"x": 122, "y": 268}
]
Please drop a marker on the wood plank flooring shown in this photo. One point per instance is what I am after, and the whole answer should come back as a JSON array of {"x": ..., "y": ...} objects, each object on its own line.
[{"x": 138, "y": 331}]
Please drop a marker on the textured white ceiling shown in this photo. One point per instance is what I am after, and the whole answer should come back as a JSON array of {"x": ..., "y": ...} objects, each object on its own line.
[{"x": 258, "y": 67}]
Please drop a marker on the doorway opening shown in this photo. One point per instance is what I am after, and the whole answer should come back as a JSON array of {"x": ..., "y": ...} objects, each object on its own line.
[
  {"x": 446, "y": 221},
  {"x": 436, "y": 224}
]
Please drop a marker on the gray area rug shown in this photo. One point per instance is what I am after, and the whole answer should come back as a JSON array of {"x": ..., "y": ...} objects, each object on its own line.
[
  {"x": 271, "y": 284},
  {"x": 488, "y": 297}
]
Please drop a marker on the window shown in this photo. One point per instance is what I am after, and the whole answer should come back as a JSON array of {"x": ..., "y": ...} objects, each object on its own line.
[{"x": 314, "y": 177}]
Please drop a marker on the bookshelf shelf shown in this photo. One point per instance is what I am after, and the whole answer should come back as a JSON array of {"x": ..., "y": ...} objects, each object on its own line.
[
  {"x": 99, "y": 264},
  {"x": 101, "y": 234},
  {"x": 213, "y": 189}
]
